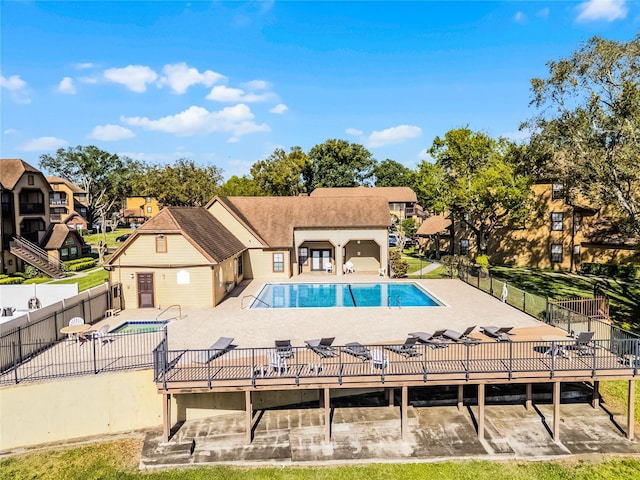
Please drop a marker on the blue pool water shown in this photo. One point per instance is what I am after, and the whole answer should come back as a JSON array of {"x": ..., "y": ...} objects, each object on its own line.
[
  {"x": 319, "y": 295},
  {"x": 139, "y": 327}
]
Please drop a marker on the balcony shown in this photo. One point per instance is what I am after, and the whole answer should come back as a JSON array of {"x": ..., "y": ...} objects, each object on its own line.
[
  {"x": 31, "y": 208},
  {"x": 55, "y": 217},
  {"x": 58, "y": 201}
]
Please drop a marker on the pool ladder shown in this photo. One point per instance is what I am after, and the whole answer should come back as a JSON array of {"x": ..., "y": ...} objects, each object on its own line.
[
  {"x": 398, "y": 302},
  {"x": 170, "y": 307},
  {"x": 255, "y": 298}
]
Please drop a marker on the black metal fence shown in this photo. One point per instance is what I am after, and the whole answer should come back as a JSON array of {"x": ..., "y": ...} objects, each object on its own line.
[{"x": 88, "y": 355}]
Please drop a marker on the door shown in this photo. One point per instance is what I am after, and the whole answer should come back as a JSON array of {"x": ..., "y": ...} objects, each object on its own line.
[
  {"x": 145, "y": 290},
  {"x": 319, "y": 259}
]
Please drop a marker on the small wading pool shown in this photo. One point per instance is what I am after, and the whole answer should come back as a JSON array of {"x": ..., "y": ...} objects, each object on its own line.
[
  {"x": 323, "y": 295},
  {"x": 140, "y": 327}
]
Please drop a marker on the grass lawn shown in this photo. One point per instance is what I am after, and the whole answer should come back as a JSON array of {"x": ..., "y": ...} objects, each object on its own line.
[
  {"x": 415, "y": 262},
  {"x": 111, "y": 237},
  {"x": 119, "y": 460},
  {"x": 85, "y": 282}
]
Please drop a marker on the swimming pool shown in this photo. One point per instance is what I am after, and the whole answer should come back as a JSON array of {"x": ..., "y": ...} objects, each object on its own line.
[
  {"x": 140, "y": 327},
  {"x": 323, "y": 295}
]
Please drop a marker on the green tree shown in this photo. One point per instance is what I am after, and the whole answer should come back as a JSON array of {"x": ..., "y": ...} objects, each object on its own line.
[
  {"x": 476, "y": 182},
  {"x": 281, "y": 173},
  {"x": 105, "y": 176},
  {"x": 240, "y": 187},
  {"x": 390, "y": 173},
  {"x": 409, "y": 227},
  {"x": 181, "y": 184},
  {"x": 587, "y": 130},
  {"x": 338, "y": 163}
]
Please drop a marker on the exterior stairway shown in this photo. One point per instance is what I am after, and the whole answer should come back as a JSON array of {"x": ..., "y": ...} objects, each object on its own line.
[{"x": 39, "y": 258}]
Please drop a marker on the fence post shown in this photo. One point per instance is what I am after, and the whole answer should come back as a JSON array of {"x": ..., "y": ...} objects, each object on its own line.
[
  {"x": 490, "y": 284},
  {"x": 569, "y": 322},
  {"x": 524, "y": 300},
  {"x": 95, "y": 362},
  {"x": 546, "y": 310},
  {"x": 15, "y": 362},
  {"x": 20, "y": 344}
]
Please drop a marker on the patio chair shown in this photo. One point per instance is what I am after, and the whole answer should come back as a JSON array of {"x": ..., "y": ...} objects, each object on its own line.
[
  {"x": 74, "y": 337},
  {"x": 284, "y": 348},
  {"x": 582, "y": 343},
  {"x": 220, "y": 347},
  {"x": 101, "y": 335},
  {"x": 461, "y": 337},
  {"x": 500, "y": 334},
  {"x": 407, "y": 349},
  {"x": 277, "y": 363},
  {"x": 322, "y": 346},
  {"x": 349, "y": 267},
  {"x": 358, "y": 350},
  {"x": 429, "y": 339},
  {"x": 379, "y": 360}
]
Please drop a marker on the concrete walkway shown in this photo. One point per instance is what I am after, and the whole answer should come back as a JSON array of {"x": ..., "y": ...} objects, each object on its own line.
[{"x": 366, "y": 429}]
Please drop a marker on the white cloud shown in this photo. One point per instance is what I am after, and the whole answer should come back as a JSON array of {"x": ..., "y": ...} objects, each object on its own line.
[
  {"x": 134, "y": 77},
  {"x": 179, "y": 77},
  {"x": 66, "y": 86},
  {"x": 237, "y": 120},
  {"x": 10, "y": 131},
  {"x": 43, "y": 144},
  {"x": 225, "y": 94},
  {"x": 17, "y": 88},
  {"x": 111, "y": 132},
  {"x": 608, "y": 10},
  {"x": 84, "y": 66},
  {"x": 544, "y": 13},
  {"x": 280, "y": 108},
  {"x": 256, "y": 85},
  {"x": 393, "y": 135},
  {"x": 89, "y": 80},
  {"x": 520, "y": 17},
  {"x": 354, "y": 131}
]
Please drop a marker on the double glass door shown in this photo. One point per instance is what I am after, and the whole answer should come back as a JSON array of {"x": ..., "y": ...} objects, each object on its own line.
[{"x": 319, "y": 259}]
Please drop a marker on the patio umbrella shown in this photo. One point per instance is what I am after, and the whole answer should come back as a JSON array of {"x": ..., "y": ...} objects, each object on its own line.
[{"x": 505, "y": 292}]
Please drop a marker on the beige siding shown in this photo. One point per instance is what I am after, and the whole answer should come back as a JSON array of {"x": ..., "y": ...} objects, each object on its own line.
[
  {"x": 142, "y": 251},
  {"x": 234, "y": 226},
  {"x": 261, "y": 264},
  {"x": 224, "y": 277}
]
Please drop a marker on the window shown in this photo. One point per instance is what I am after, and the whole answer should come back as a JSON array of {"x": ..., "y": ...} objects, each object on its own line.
[
  {"x": 278, "y": 262},
  {"x": 147, "y": 200},
  {"x": 30, "y": 180},
  {"x": 303, "y": 255},
  {"x": 464, "y": 246},
  {"x": 149, "y": 209},
  {"x": 240, "y": 265},
  {"x": 556, "y": 221},
  {"x": 74, "y": 251},
  {"x": 64, "y": 254},
  {"x": 161, "y": 244},
  {"x": 557, "y": 191},
  {"x": 556, "y": 253},
  {"x": 577, "y": 221}
]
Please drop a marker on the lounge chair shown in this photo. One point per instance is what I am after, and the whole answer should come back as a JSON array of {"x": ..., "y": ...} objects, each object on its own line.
[
  {"x": 219, "y": 348},
  {"x": 358, "y": 350},
  {"x": 582, "y": 343},
  {"x": 460, "y": 337},
  {"x": 500, "y": 334},
  {"x": 284, "y": 348},
  {"x": 429, "y": 339},
  {"x": 379, "y": 360},
  {"x": 322, "y": 346},
  {"x": 407, "y": 349}
]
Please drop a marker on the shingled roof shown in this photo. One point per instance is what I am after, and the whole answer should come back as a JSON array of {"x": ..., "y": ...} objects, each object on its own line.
[
  {"x": 52, "y": 179},
  {"x": 56, "y": 235},
  {"x": 391, "y": 194},
  {"x": 12, "y": 169},
  {"x": 274, "y": 219},
  {"x": 199, "y": 227}
]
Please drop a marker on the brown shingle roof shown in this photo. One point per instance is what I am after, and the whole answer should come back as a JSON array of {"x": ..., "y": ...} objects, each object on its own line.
[
  {"x": 52, "y": 179},
  {"x": 433, "y": 225},
  {"x": 274, "y": 218},
  {"x": 56, "y": 235},
  {"x": 11, "y": 169},
  {"x": 199, "y": 227},
  {"x": 391, "y": 194}
]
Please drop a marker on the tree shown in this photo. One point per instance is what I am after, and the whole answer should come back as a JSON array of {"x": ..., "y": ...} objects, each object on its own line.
[
  {"x": 409, "y": 227},
  {"x": 338, "y": 163},
  {"x": 281, "y": 173},
  {"x": 475, "y": 182},
  {"x": 240, "y": 187},
  {"x": 588, "y": 126},
  {"x": 390, "y": 173},
  {"x": 105, "y": 177},
  {"x": 181, "y": 184}
]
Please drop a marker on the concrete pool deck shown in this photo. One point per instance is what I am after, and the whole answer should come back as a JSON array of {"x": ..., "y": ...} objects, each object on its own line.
[{"x": 463, "y": 307}]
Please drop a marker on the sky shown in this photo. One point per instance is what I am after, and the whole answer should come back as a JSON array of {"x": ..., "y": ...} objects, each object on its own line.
[{"x": 226, "y": 83}]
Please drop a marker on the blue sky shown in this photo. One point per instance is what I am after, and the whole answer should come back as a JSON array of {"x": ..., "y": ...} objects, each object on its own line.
[{"x": 226, "y": 83}]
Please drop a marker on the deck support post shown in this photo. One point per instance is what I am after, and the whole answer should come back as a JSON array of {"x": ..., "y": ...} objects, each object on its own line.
[
  {"x": 595, "y": 400},
  {"x": 389, "y": 396},
  {"x": 248, "y": 416},
  {"x": 630, "y": 412},
  {"x": 166, "y": 414},
  {"x": 556, "y": 411},
  {"x": 528, "y": 397},
  {"x": 460, "y": 396},
  {"x": 481, "y": 411},
  {"x": 321, "y": 398},
  {"x": 403, "y": 412},
  {"x": 327, "y": 415}
]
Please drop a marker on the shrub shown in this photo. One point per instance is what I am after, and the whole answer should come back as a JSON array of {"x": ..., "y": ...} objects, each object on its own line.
[
  {"x": 79, "y": 264},
  {"x": 398, "y": 265},
  {"x": 11, "y": 281},
  {"x": 483, "y": 262},
  {"x": 36, "y": 280},
  {"x": 629, "y": 271}
]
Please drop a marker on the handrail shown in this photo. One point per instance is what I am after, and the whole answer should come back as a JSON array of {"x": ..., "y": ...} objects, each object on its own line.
[
  {"x": 21, "y": 242},
  {"x": 398, "y": 302},
  {"x": 254, "y": 297},
  {"x": 169, "y": 307},
  {"x": 352, "y": 297}
]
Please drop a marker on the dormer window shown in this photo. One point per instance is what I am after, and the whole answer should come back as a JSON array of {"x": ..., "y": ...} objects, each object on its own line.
[
  {"x": 557, "y": 191},
  {"x": 161, "y": 244},
  {"x": 31, "y": 180}
]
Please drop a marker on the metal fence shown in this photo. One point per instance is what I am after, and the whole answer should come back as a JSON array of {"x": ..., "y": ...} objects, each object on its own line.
[
  {"x": 40, "y": 329},
  {"x": 86, "y": 356}
]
